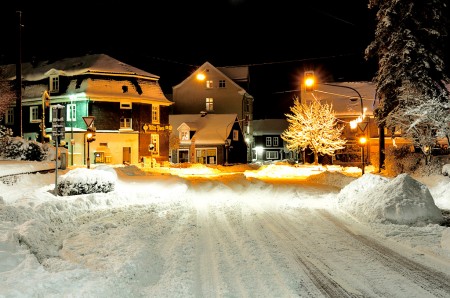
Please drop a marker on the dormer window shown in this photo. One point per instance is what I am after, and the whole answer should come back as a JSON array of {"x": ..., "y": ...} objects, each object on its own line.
[
  {"x": 54, "y": 84},
  {"x": 184, "y": 135}
]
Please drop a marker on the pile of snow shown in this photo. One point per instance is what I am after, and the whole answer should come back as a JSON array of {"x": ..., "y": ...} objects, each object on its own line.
[
  {"x": 401, "y": 200},
  {"x": 84, "y": 181}
]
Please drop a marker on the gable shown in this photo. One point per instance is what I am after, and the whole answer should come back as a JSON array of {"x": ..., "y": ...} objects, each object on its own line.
[{"x": 209, "y": 68}]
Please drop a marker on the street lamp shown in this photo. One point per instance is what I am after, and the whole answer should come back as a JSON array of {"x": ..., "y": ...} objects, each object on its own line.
[{"x": 310, "y": 81}]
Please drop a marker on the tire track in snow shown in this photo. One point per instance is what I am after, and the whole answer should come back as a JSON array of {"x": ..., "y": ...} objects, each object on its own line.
[{"x": 435, "y": 282}]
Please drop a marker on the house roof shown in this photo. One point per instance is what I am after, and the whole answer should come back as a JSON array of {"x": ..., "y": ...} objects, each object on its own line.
[
  {"x": 236, "y": 73},
  {"x": 269, "y": 127},
  {"x": 207, "y": 67},
  {"x": 116, "y": 80},
  {"x": 88, "y": 64},
  {"x": 212, "y": 129}
]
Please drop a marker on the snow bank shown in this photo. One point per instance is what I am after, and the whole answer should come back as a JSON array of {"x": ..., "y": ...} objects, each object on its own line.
[{"x": 402, "y": 200}]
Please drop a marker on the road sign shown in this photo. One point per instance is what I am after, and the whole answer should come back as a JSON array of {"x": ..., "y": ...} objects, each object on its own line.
[{"x": 88, "y": 120}]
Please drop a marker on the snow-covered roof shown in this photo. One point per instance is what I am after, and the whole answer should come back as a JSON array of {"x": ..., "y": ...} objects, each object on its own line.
[
  {"x": 236, "y": 73},
  {"x": 207, "y": 67},
  {"x": 269, "y": 127},
  {"x": 88, "y": 64},
  {"x": 212, "y": 129}
]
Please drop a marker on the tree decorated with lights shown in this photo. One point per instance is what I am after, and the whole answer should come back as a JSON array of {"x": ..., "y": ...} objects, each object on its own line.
[
  {"x": 313, "y": 126},
  {"x": 409, "y": 43}
]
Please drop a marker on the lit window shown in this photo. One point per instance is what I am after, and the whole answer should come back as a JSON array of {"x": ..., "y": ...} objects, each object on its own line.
[
  {"x": 209, "y": 104},
  {"x": 271, "y": 154},
  {"x": 125, "y": 123},
  {"x": 184, "y": 135},
  {"x": 34, "y": 114},
  {"x": 268, "y": 141},
  {"x": 54, "y": 84},
  {"x": 71, "y": 112},
  {"x": 235, "y": 135},
  {"x": 275, "y": 141},
  {"x": 222, "y": 84},
  {"x": 125, "y": 105},
  {"x": 155, "y": 114},
  {"x": 209, "y": 84},
  {"x": 9, "y": 116}
]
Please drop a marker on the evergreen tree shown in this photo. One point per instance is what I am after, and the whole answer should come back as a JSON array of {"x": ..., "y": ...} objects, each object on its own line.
[
  {"x": 313, "y": 126},
  {"x": 409, "y": 44}
]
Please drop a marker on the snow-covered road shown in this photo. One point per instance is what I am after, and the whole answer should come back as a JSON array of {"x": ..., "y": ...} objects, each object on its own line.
[{"x": 159, "y": 236}]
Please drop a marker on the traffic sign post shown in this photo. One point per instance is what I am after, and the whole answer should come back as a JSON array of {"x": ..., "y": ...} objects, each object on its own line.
[
  {"x": 58, "y": 130},
  {"x": 89, "y": 136}
]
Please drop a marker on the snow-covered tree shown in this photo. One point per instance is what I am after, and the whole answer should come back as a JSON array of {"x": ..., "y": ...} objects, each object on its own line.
[
  {"x": 410, "y": 45},
  {"x": 422, "y": 122},
  {"x": 313, "y": 126}
]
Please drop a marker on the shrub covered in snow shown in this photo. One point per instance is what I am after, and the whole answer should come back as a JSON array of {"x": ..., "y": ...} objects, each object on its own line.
[
  {"x": 17, "y": 148},
  {"x": 446, "y": 170},
  {"x": 85, "y": 181}
]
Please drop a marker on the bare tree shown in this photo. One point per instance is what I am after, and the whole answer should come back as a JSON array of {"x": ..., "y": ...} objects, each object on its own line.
[
  {"x": 7, "y": 96},
  {"x": 313, "y": 126}
]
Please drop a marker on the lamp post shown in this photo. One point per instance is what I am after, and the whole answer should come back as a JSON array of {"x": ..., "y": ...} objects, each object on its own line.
[{"x": 310, "y": 82}]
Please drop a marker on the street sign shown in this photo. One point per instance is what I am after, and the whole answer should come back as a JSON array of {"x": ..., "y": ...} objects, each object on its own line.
[
  {"x": 88, "y": 120},
  {"x": 58, "y": 122}
]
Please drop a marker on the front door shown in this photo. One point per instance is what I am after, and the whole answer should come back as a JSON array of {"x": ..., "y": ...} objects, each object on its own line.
[{"x": 126, "y": 155}]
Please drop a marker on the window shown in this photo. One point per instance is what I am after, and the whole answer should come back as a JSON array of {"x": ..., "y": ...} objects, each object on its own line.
[
  {"x": 54, "y": 84},
  {"x": 209, "y": 104},
  {"x": 221, "y": 83},
  {"x": 9, "y": 116},
  {"x": 209, "y": 84},
  {"x": 184, "y": 135},
  {"x": 125, "y": 123},
  {"x": 71, "y": 112},
  {"x": 235, "y": 135},
  {"x": 268, "y": 141},
  {"x": 271, "y": 154},
  {"x": 125, "y": 105},
  {"x": 34, "y": 114},
  {"x": 155, "y": 114},
  {"x": 154, "y": 139},
  {"x": 275, "y": 141}
]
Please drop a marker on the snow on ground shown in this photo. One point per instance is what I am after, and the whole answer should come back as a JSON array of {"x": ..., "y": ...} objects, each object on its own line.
[{"x": 214, "y": 231}]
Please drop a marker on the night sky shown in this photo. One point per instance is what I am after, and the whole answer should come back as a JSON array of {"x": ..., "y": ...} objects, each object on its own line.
[{"x": 279, "y": 39}]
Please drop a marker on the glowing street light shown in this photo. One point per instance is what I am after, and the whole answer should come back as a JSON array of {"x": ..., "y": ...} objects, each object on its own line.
[{"x": 310, "y": 81}]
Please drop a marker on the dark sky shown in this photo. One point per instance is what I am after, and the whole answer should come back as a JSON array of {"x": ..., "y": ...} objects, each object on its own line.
[{"x": 171, "y": 38}]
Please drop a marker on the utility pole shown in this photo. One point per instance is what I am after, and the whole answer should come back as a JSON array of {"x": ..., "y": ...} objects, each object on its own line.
[{"x": 18, "y": 111}]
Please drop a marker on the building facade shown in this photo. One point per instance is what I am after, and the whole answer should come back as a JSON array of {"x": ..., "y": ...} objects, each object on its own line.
[{"x": 123, "y": 105}]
